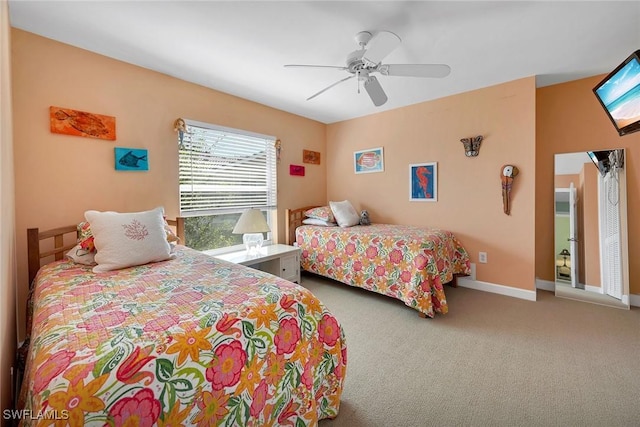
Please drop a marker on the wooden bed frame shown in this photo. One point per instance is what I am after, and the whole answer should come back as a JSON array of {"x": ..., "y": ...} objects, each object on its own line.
[
  {"x": 34, "y": 236},
  {"x": 293, "y": 220}
]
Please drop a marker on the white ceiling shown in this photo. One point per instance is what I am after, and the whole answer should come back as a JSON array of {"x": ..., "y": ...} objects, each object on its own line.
[{"x": 240, "y": 47}]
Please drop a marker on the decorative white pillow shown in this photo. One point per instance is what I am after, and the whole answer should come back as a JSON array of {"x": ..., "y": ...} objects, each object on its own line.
[
  {"x": 316, "y": 221},
  {"x": 128, "y": 239},
  {"x": 345, "y": 213}
]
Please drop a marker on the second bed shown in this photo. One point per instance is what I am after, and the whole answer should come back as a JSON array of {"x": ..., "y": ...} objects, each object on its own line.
[{"x": 405, "y": 262}]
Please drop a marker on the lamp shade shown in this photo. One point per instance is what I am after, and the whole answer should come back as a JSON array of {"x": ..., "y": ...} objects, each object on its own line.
[
  {"x": 564, "y": 252},
  {"x": 251, "y": 221}
]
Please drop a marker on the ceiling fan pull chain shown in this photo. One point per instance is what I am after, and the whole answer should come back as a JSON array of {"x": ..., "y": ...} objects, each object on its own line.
[{"x": 358, "y": 79}]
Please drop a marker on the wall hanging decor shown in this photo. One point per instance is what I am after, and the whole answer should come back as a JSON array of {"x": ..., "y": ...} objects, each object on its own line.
[
  {"x": 507, "y": 173},
  {"x": 472, "y": 145},
  {"x": 312, "y": 157},
  {"x": 296, "y": 170},
  {"x": 79, "y": 123},
  {"x": 180, "y": 126},
  {"x": 131, "y": 159},
  {"x": 278, "y": 146},
  {"x": 367, "y": 161},
  {"x": 423, "y": 182}
]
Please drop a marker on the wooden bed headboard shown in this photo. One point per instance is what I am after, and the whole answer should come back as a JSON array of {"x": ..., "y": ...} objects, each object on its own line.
[
  {"x": 293, "y": 220},
  {"x": 34, "y": 236}
]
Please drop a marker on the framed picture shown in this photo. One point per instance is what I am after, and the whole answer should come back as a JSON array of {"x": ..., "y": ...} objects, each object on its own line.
[
  {"x": 367, "y": 161},
  {"x": 312, "y": 157},
  {"x": 423, "y": 182},
  {"x": 131, "y": 159}
]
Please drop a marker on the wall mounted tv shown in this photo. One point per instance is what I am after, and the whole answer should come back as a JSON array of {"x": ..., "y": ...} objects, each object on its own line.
[{"x": 619, "y": 95}]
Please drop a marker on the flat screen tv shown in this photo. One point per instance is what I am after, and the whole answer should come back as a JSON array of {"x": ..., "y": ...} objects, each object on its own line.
[{"x": 619, "y": 95}]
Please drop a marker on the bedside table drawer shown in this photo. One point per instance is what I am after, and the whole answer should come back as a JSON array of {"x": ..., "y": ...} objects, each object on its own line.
[{"x": 290, "y": 266}]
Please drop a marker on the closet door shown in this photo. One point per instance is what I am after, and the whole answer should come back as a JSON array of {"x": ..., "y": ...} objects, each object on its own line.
[{"x": 611, "y": 252}]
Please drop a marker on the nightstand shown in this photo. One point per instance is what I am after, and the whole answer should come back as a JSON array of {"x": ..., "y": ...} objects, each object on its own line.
[{"x": 279, "y": 260}]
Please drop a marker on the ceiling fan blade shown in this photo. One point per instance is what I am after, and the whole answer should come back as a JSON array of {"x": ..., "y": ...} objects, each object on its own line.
[
  {"x": 377, "y": 95},
  {"x": 380, "y": 45},
  {"x": 329, "y": 87},
  {"x": 315, "y": 66},
  {"x": 415, "y": 70}
]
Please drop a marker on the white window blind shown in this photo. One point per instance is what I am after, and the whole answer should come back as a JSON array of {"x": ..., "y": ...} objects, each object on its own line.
[{"x": 223, "y": 170}]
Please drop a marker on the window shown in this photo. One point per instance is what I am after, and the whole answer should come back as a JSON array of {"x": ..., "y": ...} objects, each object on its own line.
[{"x": 223, "y": 172}]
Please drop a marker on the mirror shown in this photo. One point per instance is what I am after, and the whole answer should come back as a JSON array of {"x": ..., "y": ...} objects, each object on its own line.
[{"x": 591, "y": 257}]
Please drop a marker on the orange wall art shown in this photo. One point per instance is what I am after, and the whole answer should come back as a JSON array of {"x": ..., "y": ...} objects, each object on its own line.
[{"x": 80, "y": 123}]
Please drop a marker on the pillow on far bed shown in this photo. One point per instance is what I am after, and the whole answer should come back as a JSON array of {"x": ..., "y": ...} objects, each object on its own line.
[
  {"x": 346, "y": 215},
  {"x": 316, "y": 221},
  {"x": 128, "y": 239},
  {"x": 323, "y": 212}
]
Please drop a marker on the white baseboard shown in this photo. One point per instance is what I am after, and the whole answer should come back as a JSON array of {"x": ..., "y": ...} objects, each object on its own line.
[
  {"x": 466, "y": 282},
  {"x": 545, "y": 285}
]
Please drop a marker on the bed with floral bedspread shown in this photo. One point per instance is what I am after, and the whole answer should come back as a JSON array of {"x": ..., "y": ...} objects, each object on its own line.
[
  {"x": 404, "y": 262},
  {"x": 188, "y": 341}
]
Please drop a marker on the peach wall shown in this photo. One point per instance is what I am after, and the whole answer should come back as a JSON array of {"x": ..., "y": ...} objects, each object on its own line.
[
  {"x": 7, "y": 218},
  {"x": 58, "y": 177},
  {"x": 469, "y": 188},
  {"x": 564, "y": 181},
  {"x": 569, "y": 119}
]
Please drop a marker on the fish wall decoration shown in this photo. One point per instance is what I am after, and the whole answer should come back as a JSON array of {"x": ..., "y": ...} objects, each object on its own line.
[
  {"x": 131, "y": 159},
  {"x": 80, "y": 123},
  {"x": 366, "y": 161}
]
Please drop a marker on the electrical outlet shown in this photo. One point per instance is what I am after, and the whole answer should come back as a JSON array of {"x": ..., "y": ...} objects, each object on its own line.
[{"x": 482, "y": 257}]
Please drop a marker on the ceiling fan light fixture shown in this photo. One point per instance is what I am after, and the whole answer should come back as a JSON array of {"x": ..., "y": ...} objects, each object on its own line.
[{"x": 368, "y": 59}]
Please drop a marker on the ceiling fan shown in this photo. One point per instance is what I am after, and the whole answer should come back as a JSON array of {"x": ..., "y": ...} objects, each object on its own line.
[{"x": 362, "y": 63}]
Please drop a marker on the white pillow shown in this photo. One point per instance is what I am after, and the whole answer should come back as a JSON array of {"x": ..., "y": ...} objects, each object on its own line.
[
  {"x": 317, "y": 221},
  {"x": 345, "y": 213},
  {"x": 128, "y": 239}
]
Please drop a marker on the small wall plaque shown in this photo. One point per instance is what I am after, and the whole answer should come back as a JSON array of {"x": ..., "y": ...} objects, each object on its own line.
[
  {"x": 312, "y": 157},
  {"x": 296, "y": 170}
]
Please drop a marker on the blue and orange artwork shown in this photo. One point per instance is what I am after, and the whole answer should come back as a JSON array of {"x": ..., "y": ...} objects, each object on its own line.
[
  {"x": 368, "y": 160},
  {"x": 131, "y": 159},
  {"x": 423, "y": 181}
]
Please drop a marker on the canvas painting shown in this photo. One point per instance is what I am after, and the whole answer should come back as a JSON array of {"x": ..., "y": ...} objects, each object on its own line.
[
  {"x": 423, "y": 182},
  {"x": 131, "y": 159},
  {"x": 312, "y": 157},
  {"x": 296, "y": 170},
  {"x": 80, "y": 123},
  {"x": 367, "y": 161}
]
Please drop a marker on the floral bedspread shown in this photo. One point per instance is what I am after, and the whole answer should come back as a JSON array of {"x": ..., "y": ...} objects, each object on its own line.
[
  {"x": 404, "y": 262},
  {"x": 189, "y": 341}
]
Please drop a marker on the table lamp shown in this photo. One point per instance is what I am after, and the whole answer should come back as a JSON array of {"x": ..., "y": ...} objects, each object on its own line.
[{"x": 251, "y": 225}]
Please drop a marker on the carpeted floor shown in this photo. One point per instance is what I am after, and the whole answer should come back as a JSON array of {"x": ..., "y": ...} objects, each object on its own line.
[{"x": 491, "y": 361}]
